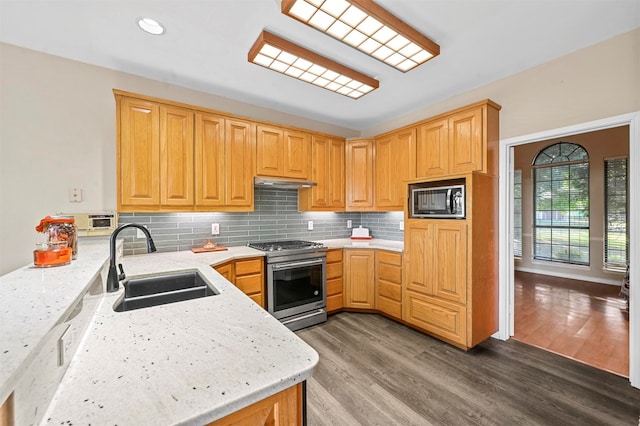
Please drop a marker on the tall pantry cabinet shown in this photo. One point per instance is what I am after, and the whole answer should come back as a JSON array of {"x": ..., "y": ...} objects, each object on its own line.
[{"x": 450, "y": 273}]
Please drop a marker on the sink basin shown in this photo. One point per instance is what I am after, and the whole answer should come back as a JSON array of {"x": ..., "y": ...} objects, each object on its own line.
[{"x": 153, "y": 290}]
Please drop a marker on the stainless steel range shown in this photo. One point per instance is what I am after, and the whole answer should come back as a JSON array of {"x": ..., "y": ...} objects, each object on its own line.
[{"x": 296, "y": 281}]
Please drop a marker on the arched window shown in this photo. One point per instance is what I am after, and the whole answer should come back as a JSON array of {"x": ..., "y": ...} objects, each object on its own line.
[{"x": 561, "y": 204}]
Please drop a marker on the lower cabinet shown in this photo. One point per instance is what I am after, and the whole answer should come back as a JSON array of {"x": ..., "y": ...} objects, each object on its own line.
[
  {"x": 359, "y": 285},
  {"x": 388, "y": 283},
  {"x": 247, "y": 275},
  {"x": 446, "y": 320},
  {"x": 335, "y": 282},
  {"x": 283, "y": 408}
]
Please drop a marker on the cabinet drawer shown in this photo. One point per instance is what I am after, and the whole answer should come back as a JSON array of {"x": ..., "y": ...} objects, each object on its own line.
[
  {"x": 390, "y": 257},
  {"x": 389, "y": 307},
  {"x": 250, "y": 283},
  {"x": 334, "y": 270},
  {"x": 443, "y": 319},
  {"x": 249, "y": 266},
  {"x": 335, "y": 286},
  {"x": 334, "y": 256},
  {"x": 390, "y": 273},
  {"x": 334, "y": 302},
  {"x": 390, "y": 290}
]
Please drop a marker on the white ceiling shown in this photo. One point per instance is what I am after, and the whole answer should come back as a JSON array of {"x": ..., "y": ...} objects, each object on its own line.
[{"x": 206, "y": 44}]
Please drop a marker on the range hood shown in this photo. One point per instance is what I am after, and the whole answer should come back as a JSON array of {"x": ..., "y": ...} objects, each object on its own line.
[{"x": 282, "y": 183}]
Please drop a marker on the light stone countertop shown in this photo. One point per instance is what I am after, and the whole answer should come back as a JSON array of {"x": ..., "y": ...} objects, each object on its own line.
[
  {"x": 188, "y": 362},
  {"x": 34, "y": 300},
  {"x": 374, "y": 243}
]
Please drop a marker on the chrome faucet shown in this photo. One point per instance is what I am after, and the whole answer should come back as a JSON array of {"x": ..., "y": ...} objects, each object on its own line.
[{"x": 113, "y": 279}]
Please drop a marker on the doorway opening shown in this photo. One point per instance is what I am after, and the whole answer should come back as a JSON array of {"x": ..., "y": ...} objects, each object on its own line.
[{"x": 507, "y": 270}]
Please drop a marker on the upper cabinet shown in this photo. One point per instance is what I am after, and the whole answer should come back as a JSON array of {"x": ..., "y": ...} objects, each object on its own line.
[
  {"x": 224, "y": 163},
  {"x": 394, "y": 164},
  {"x": 173, "y": 158},
  {"x": 282, "y": 152},
  {"x": 328, "y": 171},
  {"x": 359, "y": 174},
  {"x": 462, "y": 141}
]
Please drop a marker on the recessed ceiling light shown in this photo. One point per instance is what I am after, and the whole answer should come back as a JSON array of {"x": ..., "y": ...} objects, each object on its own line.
[{"x": 151, "y": 26}]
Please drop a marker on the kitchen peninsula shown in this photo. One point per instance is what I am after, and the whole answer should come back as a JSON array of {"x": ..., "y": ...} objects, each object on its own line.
[{"x": 181, "y": 363}]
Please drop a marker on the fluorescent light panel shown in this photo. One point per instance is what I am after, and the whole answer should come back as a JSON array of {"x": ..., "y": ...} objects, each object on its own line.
[
  {"x": 283, "y": 56},
  {"x": 365, "y": 25}
]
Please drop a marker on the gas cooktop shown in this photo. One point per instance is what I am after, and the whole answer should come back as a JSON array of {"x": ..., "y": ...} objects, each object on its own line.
[{"x": 289, "y": 245}]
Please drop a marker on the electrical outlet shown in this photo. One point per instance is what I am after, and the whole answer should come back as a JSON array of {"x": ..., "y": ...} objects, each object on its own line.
[
  {"x": 349, "y": 224},
  {"x": 139, "y": 233},
  {"x": 75, "y": 195},
  {"x": 310, "y": 225},
  {"x": 402, "y": 225},
  {"x": 215, "y": 229}
]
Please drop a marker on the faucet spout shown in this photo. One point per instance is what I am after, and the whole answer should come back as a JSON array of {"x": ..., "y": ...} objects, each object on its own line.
[{"x": 113, "y": 279}]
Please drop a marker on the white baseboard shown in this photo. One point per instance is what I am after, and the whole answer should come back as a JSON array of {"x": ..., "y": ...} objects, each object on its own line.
[{"x": 570, "y": 276}]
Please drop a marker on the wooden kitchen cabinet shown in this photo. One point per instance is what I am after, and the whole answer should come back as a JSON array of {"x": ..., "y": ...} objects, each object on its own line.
[
  {"x": 282, "y": 152},
  {"x": 360, "y": 174},
  {"x": 138, "y": 152},
  {"x": 328, "y": 171},
  {"x": 247, "y": 275},
  {"x": 282, "y": 409},
  {"x": 224, "y": 162},
  {"x": 174, "y": 158},
  {"x": 462, "y": 141},
  {"x": 359, "y": 284},
  {"x": 335, "y": 281},
  {"x": 394, "y": 164},
  {"x": 388, "y": 283},
  {"x": 155, "y": 155},
  {"x": 450, "y": 283}
]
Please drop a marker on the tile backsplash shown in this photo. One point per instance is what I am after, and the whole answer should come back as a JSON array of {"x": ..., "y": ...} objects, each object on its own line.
[{"x": 276, "y": 217}]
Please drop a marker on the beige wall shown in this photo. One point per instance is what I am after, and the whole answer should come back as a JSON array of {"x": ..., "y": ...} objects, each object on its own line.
[
  {"x": 593, "y": 83},
  {"x": 600, "y": 145},
  {"x": 57, "y": 124},
  {"x": 57, "y": 131}
]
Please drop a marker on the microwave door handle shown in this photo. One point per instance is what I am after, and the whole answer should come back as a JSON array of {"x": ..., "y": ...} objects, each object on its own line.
[{"x": 451, "y": 206}]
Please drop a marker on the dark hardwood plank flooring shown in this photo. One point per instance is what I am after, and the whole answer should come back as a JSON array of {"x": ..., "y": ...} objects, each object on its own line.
[
  {"x": 585, "y": 321},
  {"x": 374, "y": 371}
]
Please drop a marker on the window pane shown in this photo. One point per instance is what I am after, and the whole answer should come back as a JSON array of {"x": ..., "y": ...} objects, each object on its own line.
[
  {"x": 517, "y": 213},
  {"x": 561, "y": 204},
  {"x": 616, "y": 239}
]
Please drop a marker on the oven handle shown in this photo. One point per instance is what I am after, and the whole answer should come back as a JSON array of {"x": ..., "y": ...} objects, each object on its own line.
[{"x": 289, "y": 265}]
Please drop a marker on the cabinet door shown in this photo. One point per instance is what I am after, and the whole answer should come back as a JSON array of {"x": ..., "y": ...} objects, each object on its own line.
[
  {"x": 393, "y": 165},
  {"x": 336, "y": 174},
  {"x": 269, "y": 151},
  {"x": 240, "y": 139},
  {"x": 466, "y": 142},
  {"x": 450, "y": 251},
  {"x": 419, "y": 256},
  {"x": 139, "y": 153},
  {"x": 327, "y": 170},
  {"x": 226, "y": 270},
  {"x": 296, "y": 154},
  {"x": 210, "y": 160},
  {"x": 359, "y": 279},
  {"x": 432, "y": 149},
  {"x": 176, "y": 157},
  {"x": 359, "y": 175}
]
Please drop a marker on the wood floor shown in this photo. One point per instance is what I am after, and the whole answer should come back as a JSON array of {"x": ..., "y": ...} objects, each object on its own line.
[
  {"x": 582, "y": 320},
  {"x": 374, "y": 371}
]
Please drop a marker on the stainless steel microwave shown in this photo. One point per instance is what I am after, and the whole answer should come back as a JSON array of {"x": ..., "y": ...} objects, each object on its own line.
[{"x": 437, "y": 200}]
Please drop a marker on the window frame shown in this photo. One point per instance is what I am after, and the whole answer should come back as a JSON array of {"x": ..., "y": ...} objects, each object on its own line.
[{"x": 613, "y": 266}]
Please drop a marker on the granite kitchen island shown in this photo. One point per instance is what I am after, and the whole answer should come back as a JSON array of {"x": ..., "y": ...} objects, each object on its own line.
[{"x": 189, "y": 362}]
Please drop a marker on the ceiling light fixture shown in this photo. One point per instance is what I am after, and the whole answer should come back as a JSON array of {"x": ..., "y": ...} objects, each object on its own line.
[
  {"x": 278, "y": 54},
  {"x": 151, "y": 26},
  {"x": 368, "y": 27}
]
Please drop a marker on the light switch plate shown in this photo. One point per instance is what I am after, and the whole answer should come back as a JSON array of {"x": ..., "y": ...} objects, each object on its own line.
[
  {"x": 349, "y": 224},
  {"x": 75, "y": 195},
  {"x": 401, "y": 225},
  {"x": 310, "y": 225}
]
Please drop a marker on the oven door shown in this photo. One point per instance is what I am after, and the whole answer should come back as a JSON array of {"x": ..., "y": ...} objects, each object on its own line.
[{"x": 295, "y": 287}]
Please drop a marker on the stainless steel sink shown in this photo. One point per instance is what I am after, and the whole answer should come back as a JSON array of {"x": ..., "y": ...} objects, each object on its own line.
[{"x": 153, "y": 290}]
